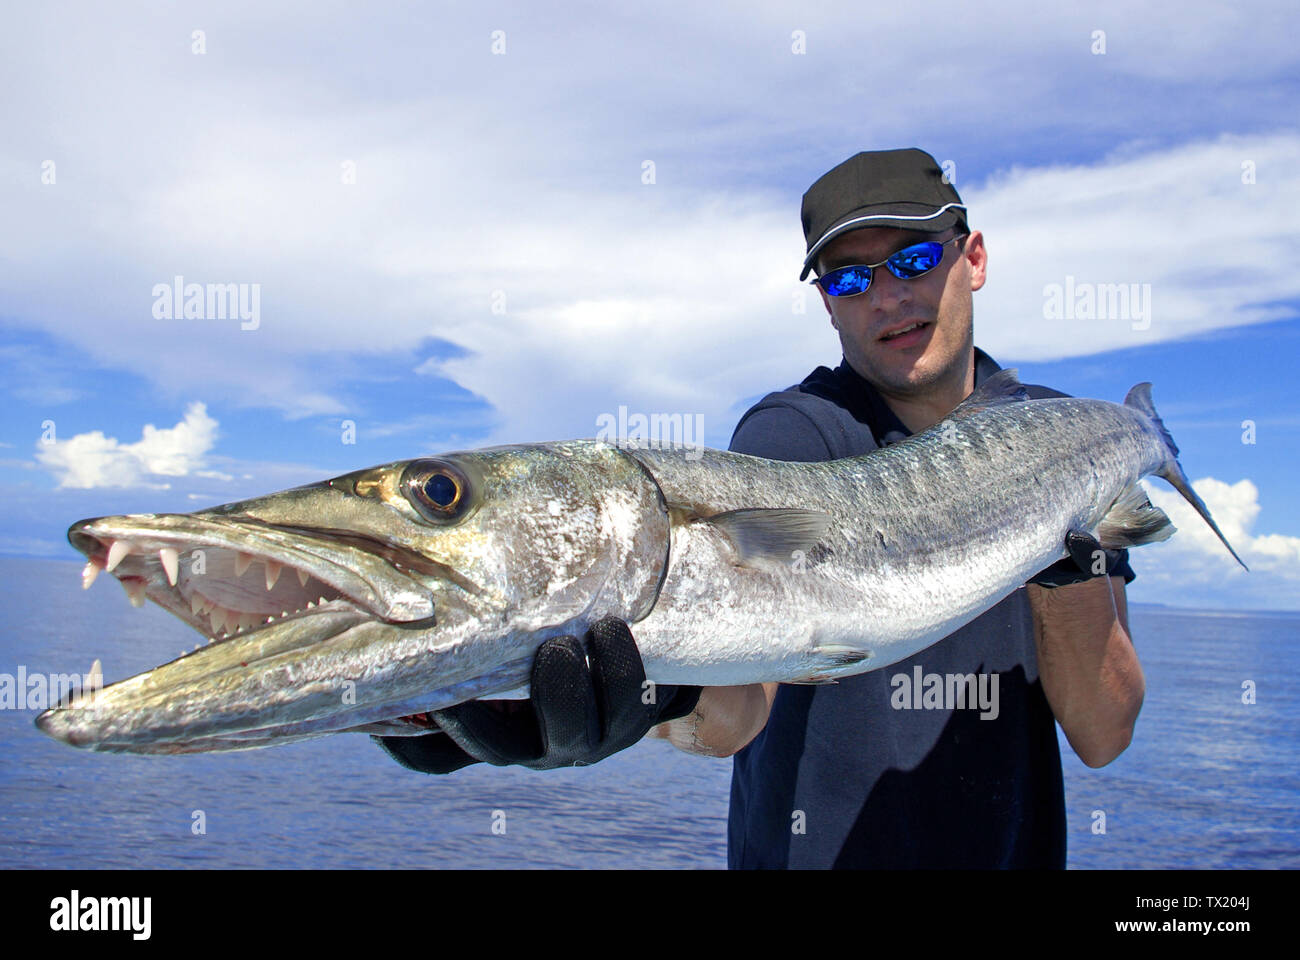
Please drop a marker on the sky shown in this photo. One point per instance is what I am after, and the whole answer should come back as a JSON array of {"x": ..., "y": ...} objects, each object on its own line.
[{"x": 454, "y": 226}]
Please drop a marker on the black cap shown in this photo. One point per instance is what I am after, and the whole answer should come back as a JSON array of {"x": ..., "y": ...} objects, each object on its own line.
[{"x": 879, "y": 188}]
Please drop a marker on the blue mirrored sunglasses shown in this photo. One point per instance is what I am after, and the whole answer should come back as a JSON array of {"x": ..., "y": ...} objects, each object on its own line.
[{"x": 907, "y": 264}]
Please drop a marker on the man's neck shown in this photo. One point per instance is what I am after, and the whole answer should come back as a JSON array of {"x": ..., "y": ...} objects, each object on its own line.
[{"x": 919, "y": 411}]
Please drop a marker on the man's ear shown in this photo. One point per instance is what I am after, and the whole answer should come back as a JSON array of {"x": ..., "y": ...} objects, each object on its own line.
[{"x": 977, "y": 257}]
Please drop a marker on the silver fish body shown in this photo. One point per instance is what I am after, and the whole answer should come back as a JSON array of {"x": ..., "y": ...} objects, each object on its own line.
[{"x": 433, "y": 581}]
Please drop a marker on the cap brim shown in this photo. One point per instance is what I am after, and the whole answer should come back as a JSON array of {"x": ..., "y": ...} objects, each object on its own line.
[{"x": 937, "y": 222}]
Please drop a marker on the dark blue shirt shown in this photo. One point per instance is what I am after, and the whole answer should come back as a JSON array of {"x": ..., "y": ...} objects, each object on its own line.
[{"x": 860, "y": 773}]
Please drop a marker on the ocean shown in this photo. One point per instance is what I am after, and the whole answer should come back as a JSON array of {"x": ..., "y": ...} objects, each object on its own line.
[{"x": 1210, "y": 781}]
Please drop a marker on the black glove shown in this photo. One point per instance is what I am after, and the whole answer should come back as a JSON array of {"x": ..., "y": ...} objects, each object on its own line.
[
  {"x": 1083, "y": 563},
  {"x": 584, "y": 706}
]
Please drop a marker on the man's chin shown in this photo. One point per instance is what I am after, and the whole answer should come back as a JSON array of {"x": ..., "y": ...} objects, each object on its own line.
[{"x": 902, "y": 375}]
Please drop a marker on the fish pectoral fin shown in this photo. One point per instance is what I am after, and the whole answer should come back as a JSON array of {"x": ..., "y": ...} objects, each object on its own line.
[
  {"x": 771, "y": 534},
  {"x": 835, "y": 658},
  {"x": 1132, "y": 521}
]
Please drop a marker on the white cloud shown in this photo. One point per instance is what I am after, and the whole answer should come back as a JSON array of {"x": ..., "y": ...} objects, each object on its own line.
[
  {"x": 92, "y": 460},
  {"x": 691, "y": 309},
  {"x": 1177, "y": 222},
  {"x": 522, "y": 174},
  {"x": 1193, "y": 569}
]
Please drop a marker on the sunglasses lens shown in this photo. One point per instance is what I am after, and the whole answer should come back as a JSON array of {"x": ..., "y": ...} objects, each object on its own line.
[
  {"x": 915, "y": 260},
  {"x": 846, "y": 281}
]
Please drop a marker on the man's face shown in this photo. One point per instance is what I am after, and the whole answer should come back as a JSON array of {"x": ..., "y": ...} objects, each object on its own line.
[{"x": 907, "y": 364}]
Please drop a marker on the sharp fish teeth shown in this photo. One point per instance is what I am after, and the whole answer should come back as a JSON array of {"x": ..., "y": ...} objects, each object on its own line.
[
  {"x": 134, "y": 591},
  {"x": 232, "y": 621},
  {"x": 116, "y": 554},
  {"x": 91, "y": 684},
  {"x": 302, "y": 577},
  {"x": 88, "y": 574},
  {"x": 196, "y": 603},
  {"x": 218, "y": 618},
  {"x": 171, "y": 562},
  {"x": 242, "y": 560},
  {"x": 272, "y": 573}
]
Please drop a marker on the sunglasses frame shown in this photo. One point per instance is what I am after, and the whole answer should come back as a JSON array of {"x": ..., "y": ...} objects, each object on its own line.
[{"x": 884, "y": 263}]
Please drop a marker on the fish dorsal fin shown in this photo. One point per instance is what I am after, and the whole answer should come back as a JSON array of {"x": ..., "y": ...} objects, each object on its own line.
[
  {"x": 771, "y": 534},
  {"x": 1003, "y": 387}
]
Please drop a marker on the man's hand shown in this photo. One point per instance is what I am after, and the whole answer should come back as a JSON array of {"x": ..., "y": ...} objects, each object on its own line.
[
  {"x": 724, "y": 721},
  {"x": 1087, "y": 559},
  {"x": 584, "y": 706}
]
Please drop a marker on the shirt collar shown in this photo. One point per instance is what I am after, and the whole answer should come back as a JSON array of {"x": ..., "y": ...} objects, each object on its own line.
[{"x": 869, "y": 407}]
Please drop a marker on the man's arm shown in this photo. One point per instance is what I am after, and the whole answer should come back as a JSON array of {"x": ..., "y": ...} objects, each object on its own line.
[{"x": 1087, "y": 664}]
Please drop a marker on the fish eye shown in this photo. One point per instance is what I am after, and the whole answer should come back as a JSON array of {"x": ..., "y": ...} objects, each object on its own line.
[{"x": 439, "y": 490}]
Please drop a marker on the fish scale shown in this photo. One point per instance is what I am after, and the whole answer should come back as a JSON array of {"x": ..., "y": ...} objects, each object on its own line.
[
  {"x": 979, "y": 526},
  {"x": 445, "y": 574}
]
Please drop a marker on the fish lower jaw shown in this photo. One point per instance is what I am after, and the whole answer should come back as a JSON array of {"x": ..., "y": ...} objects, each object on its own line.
[{"x": 221, "y": 592}]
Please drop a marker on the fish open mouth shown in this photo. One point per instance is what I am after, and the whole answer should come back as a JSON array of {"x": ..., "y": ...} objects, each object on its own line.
[
  {"x": 291, "y": 615},
  {"x": 234, "y": 578},
  {"x": 234, "y": 591}
]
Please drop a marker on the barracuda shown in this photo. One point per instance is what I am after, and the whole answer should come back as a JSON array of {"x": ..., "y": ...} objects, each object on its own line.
[{"x": 364, "y": 602}]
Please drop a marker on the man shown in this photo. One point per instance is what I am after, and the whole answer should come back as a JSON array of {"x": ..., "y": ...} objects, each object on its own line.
[
  {"x": 849, "y": 775},
  {"x": 836, "y": 775}
]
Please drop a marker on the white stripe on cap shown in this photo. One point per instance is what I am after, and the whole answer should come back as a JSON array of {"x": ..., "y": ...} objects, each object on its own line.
[{"x": 836, "y": 231}]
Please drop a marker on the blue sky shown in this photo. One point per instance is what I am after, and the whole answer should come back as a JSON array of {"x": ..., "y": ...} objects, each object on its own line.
[{"x": 499, "y": 270}]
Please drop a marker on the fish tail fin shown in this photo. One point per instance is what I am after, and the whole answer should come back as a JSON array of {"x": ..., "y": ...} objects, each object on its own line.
[{"x": 1139, "y": 398}]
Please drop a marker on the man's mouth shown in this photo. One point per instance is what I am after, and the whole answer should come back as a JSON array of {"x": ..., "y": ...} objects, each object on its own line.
[{"x": 907, "y": 333}]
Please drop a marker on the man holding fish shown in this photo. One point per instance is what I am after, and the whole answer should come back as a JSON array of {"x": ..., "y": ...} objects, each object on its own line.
[{"x": 866, "y": 772}]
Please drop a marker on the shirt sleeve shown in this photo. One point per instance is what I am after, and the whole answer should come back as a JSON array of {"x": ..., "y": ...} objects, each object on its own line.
[{"x": 780, "y": 433}]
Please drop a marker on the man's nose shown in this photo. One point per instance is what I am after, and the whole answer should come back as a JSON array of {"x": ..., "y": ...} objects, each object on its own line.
[{"x": 887, "y": 292}]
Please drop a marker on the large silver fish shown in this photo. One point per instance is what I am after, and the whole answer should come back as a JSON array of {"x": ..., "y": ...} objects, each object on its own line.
[{"x": 379, "y": 595}]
